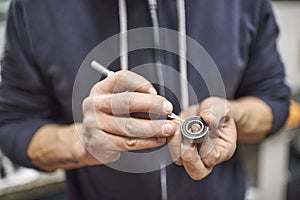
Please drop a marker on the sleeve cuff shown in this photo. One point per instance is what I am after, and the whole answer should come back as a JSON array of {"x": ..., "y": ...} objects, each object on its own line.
[
  {"x": 14, "y": 139},
  {"x": 280, "y": 111}
]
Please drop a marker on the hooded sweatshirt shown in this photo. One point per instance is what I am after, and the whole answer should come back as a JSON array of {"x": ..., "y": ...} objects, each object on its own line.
[{"x": 47, "y": 41}]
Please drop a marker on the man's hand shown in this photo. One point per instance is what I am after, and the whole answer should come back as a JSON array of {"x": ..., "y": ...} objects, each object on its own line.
[
  {"x": 218, "y": 146},
  {"x": 110, "y": 124}
]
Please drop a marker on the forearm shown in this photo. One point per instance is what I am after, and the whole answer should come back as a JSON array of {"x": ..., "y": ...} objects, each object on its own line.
[
  {"x": 58, "y": 147},
  {"x": 253, "y": 118}
]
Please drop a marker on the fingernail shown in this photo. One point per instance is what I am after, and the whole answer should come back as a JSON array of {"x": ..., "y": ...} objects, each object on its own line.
[
  {"x": 152, "y": 91},
  {"x": 168, "y": 128},
  {"x": 167, "y": 106}
]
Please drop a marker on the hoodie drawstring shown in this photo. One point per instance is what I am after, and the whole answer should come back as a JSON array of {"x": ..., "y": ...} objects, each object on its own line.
[
  {"x": 182, "y": 43},
  {"x": 123, "y": 35}
]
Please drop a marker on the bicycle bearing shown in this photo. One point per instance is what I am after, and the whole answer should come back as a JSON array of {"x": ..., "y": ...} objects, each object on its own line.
[{"x": 194, "y": 128}]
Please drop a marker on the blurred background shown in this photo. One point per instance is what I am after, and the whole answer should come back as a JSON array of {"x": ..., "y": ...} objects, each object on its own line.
[{"x": 273, "y": 167}]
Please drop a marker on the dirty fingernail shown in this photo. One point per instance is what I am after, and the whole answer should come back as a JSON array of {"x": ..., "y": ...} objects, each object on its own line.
[{"x": 167, "y": 106}]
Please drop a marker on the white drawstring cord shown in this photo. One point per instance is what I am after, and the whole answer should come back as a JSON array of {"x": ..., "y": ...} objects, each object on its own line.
[
  {"x": 181, "y": 43},
  {"x": 157, "y": 54},
  {"x": 123, "y": 35},
  {"x": 182, "y": 58},
  {"x": 182, "y": 54}
]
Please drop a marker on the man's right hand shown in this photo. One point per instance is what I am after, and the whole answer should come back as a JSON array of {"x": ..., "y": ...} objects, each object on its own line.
[{"x": 109, "y": 125}]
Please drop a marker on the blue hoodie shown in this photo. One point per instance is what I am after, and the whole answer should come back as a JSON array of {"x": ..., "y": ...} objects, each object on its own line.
[{"x": 47, "y": 40}]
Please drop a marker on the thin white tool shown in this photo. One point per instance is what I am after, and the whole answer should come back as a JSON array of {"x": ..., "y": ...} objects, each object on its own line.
[
  {"x": 174, "y": 116},
  {"x": 103, "y": 70}
]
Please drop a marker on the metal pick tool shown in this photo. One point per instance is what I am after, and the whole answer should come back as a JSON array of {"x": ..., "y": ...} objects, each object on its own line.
[
  {"x": 188, "y": 125},
  {"x": 103, "y": 70}
]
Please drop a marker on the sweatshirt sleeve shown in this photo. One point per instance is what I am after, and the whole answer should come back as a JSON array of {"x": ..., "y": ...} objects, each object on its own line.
[
  {"x": 265, "y": 77},
  {"x": 25, "y": 101}
]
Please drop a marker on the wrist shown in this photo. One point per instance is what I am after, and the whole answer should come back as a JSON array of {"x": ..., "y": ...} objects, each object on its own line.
[
  {"x": 253, "y": 118},
  {"x": 55, "y": 146},
  {"x": 78, "y": 152},
  {"x": 237, "y": 111}
]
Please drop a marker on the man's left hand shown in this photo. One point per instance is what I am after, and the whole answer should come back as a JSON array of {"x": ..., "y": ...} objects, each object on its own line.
[{"x": 218, "y": 146}]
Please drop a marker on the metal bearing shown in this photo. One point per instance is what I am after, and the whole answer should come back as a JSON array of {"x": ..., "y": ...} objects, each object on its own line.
[{"x": 195, "y": 136}]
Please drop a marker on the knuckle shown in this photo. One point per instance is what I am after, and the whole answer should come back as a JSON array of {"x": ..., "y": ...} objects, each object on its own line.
[
  {"x": 178, "y": 162},
  {"x": 95, "y": 103},
  {"x": 188, "y": 155},
  {"x": 212, "y": 161},
  {"x": 131, "y": 100},
  {"x": 126, "y": 101},
  {"x": 129, "y": 127},
  {"x": 95, "y": 88},
  {"x": 90, "y": 122},
  {"x": 120, "y": 74},
  {"x": 218, "y": 157},
  {"x": 86, "y": 104},
  {"x": 131, "y": 143}
]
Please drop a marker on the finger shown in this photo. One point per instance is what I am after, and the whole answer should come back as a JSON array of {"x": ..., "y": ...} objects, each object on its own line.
[
  {"x": 214, "y": 119},
  {"x": 224, "y": 148},
  {"x": 106, "y": 147},
  {"x": 123, "y": 81},
  {"x": 193, "y": 164},
  {"x": 223, "y": 152},
  {"x": 195, "y": 128},
  {"x": 146, "y": 116},
  {"x": 135, "y": 127},
  {"x": 120, "y": 143},
  {"x": 209, "y": 143},
  {"x": 228, "y": 133},
  {"x": 131, "y": 144},
  {"x": 191, "y": 111},
  {"x": 215, "y": 113},
  {"x": 174, "y": 144},
  {"x": 132, "y": 102}
]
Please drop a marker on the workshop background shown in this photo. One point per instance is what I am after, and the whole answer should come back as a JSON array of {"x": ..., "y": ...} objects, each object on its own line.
[{"x": 273, "y": 166}]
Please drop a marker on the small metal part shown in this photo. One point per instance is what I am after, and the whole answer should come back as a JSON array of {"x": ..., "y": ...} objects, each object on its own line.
[
  {"x": 174, "y": 116},
  {"x": 194, "y": 128}
]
